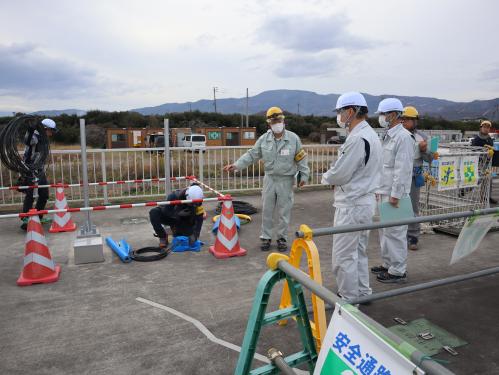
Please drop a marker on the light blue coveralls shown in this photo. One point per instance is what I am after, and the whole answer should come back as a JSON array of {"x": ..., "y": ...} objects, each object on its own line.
[
  {"x": 396, "y": 179},
  {"x": 355, "y": 176},
  {"x": 282, "y": 159}
]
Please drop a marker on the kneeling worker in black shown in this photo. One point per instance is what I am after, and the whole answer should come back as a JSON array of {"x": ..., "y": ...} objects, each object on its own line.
[{"x": 184, "y": 219}]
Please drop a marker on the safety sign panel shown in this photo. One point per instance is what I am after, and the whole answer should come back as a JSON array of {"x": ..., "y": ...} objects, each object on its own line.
[
  {"x": 352, "y": 348},
  {"x": 469, "y": 171},
  {"x": 447, "y": 178}
]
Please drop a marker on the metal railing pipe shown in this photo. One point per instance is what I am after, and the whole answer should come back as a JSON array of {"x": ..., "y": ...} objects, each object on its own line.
[
  {"x": 427, "y": 285},
  {"x": 413, "y": 220},
  {"x": 308, "y": 283}
]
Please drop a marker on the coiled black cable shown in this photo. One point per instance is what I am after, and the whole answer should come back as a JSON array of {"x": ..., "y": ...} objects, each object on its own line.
[
  {"x": 240, "y": 207},
  {"x": 158, "y": 254},
  {"x": 13, "y": 135}
]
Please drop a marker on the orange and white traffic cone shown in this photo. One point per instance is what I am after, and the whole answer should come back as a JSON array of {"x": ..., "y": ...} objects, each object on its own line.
[
  {"x": 227, "y": 241},
  {"x": 62, "y": 220},
  {"x": 39, "y": 268}
]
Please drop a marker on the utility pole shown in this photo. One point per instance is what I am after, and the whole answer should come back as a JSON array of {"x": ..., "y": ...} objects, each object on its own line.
[
  {"x": 298, "y": 108},
  {"x": 190, "y": 107},
  {"x": 215, "y": 89},
  {"x": 247, "y": 108}
]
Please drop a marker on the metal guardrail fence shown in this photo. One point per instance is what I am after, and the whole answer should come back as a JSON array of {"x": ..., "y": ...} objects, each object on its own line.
[{"x": 146, "y": 163}]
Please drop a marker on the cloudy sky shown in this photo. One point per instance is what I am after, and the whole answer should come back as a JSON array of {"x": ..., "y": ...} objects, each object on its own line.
[{"x": 125, "y": 54}]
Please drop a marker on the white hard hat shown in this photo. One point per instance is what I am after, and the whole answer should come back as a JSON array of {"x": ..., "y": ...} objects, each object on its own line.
[
  {"x": 351, "y": 99},
  {"x": 194, "y": 192},
  {"x": 49, "y": 123},
  {"x": 390, "y": 105}
]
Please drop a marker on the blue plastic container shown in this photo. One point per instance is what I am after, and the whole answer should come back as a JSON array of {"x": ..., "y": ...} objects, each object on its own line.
[{"x": 180, "y": 244}]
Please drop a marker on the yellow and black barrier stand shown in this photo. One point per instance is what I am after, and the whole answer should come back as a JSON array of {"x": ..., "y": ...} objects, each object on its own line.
[{"x": 306, "y": 243}]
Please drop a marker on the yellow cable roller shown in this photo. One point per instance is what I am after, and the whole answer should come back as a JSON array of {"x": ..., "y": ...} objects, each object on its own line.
[{"x": 246, "y": 218}]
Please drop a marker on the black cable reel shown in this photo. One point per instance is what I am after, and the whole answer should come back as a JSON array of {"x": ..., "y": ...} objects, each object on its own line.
[{"x": 14, "y": 137}]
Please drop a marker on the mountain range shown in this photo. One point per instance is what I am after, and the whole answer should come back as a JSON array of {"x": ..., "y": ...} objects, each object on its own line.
[{"x": 311, "y": 103}]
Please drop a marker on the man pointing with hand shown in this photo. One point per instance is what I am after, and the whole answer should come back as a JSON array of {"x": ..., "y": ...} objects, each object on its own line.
[{"x": 283, "y": 156}]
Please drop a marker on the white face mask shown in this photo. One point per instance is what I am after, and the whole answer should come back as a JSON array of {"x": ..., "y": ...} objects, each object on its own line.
[
  {"x": 277, "y": 128},
  {"x": 340, "y": 123},
  {"x": 382, "y": 121}
]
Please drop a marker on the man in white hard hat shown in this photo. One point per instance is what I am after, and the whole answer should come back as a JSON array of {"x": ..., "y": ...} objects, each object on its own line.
[
  {"x": 284, "y": 157},
  {"x": 184, "y": 219},
  {"x": 32, "y": 142},
  {"x": 396, "y": 179},
  {"x": 355, "y": 177},
  {"x": 410, "y": 118}
]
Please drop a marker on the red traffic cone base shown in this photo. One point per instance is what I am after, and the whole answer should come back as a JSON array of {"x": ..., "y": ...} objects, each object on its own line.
[
  {"x": 62, "y": 220},
  {"x": 227, "y": 241},
  {"x": 38, "y": 267}
]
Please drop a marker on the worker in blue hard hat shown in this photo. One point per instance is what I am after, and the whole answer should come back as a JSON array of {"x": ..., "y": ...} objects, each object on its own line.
[
  {"x": 355, "y": 177},
  {"x": 396, "y": 179}
]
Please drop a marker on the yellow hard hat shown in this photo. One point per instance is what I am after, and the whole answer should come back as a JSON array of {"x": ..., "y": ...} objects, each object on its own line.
[
  {"x": 274, "y": 112},
  {"x": 485, "y": 123},
  {"x": 410, "y": 112}
]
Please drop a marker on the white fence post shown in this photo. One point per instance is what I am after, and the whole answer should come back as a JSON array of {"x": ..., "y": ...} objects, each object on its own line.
[
  {"x": 104, "y": 176},
  {"x": 201, "y": 164}
]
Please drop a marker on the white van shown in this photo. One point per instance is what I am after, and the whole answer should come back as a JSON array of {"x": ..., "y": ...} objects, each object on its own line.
[{"x": 195, "y": 141}]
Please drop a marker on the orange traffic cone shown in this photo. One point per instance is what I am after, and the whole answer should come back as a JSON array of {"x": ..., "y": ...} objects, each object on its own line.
[
  {"x": 227, "y": 241},
  {"x": 39, "y": 268},
  {"x": 62, "y": 220}
]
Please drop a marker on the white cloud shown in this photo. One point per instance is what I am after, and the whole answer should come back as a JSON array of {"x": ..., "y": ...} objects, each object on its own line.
[
  {"x": 25, "y": 69},
  {"x": 305, "y": 33},
  {"x": 308, "y": 65},
  {"x": 127, "y": 54}
]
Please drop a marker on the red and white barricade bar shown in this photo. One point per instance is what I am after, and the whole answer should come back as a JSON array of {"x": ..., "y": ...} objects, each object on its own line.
[{"x": 102, "y": 183}]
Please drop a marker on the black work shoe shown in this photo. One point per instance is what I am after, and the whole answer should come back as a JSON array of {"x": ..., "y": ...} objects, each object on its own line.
[
  {"x": 24, "y": 226},
  {"x": 265, "y": 246},
  {"x": 412, "y": 243},
  {"x": 282, "y": 245},
  {"x": 378, "y": 269},
  {"x": 388, "y": 278}
]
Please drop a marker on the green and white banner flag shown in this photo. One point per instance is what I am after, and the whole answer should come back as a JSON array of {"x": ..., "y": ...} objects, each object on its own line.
[
  {"x": 473, "y": 232},
  {"x": 350, "y": 348}
]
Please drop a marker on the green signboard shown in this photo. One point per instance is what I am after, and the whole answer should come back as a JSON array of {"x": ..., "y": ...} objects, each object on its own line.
[{"x": 214, "y": 136}]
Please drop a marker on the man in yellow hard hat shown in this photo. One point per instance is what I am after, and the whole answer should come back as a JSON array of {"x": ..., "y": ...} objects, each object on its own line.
[
  {"x": 283, "y": 156},
  {"x": 410, "y": 117},
  {"x": 483, "y": 139}
]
